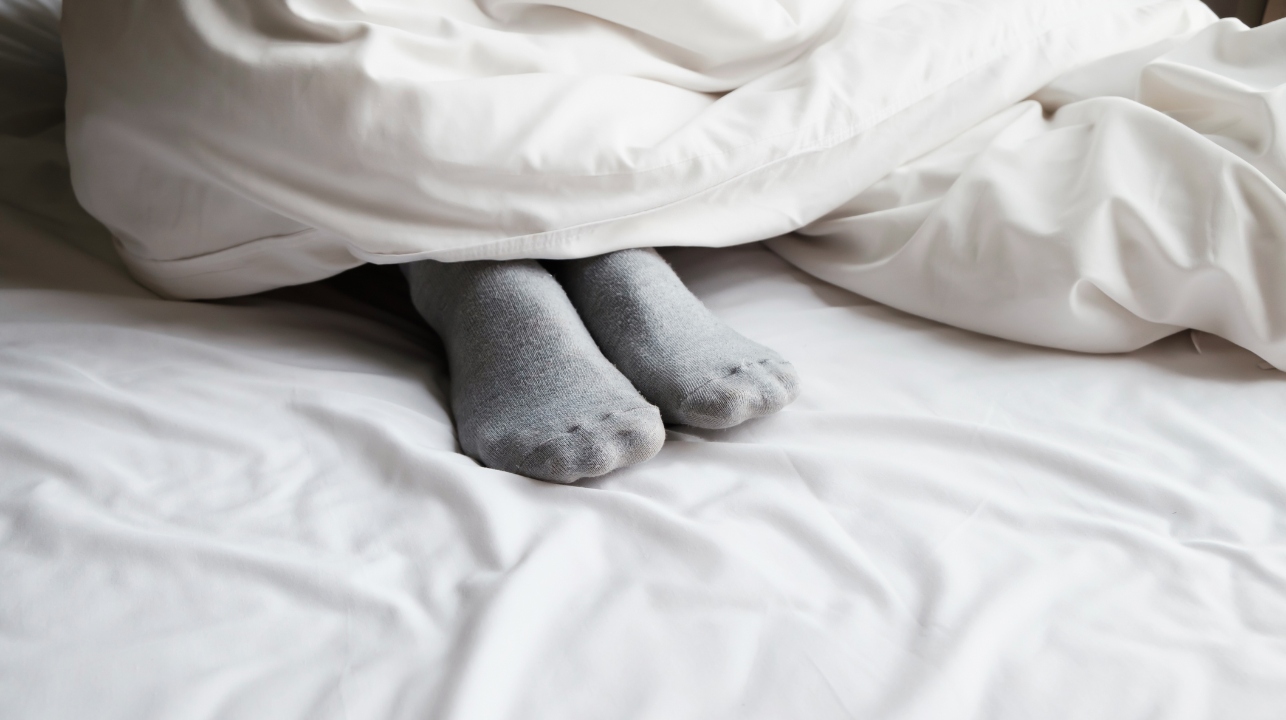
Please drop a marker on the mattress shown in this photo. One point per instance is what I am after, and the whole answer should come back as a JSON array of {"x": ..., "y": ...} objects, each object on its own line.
[{"x": 256, "y": 508}]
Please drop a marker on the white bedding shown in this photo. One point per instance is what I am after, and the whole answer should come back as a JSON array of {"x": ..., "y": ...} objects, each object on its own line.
[
  {"x": 234, "y": 146},
  {"x": 255, "y": 509},
  {"x": 1128, "y": 200}
]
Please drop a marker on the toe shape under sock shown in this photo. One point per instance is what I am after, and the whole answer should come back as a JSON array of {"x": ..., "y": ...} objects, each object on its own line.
[
  {"x": 530, "y": 390},
  {"x": 699, "y": 371}
]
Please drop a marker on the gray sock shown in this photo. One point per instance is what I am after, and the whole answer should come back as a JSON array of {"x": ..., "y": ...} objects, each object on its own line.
[
  {"x": 699, "y": 371},
  {"x": 530, "y": 391}
]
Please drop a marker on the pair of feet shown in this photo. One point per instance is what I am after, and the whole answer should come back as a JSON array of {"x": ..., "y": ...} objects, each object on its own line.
[{"x": 568, "y": 369}]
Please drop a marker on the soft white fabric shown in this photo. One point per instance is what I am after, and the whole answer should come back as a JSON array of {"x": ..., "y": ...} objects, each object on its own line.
[
  {"x": 238, "y": 145},
  {"x": 256, "y": 510},
  {"x": 1130, "y": 199}
]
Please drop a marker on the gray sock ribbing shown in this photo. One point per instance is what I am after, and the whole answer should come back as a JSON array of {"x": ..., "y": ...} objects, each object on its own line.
[
  {"x": 530, "y": 391},
  {"x": 699, "y": 371}
]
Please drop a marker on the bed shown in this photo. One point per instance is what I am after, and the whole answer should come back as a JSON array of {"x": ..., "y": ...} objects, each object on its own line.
[{"x": 256, "y": 508}]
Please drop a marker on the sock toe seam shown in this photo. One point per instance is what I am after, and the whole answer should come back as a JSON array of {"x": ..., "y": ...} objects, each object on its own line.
[
  {"x": 522, "y": 464},
  {"x": 738, "y": 369}
]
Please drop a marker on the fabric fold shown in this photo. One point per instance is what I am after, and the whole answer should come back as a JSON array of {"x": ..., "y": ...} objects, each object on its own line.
[
  {"x": 1092, "y": 222},
  {"x": 458, "y": 130}
]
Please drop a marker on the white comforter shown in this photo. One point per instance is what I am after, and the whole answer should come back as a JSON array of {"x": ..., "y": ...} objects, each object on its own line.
[
  {"x": 1129, "y": 199},
  {"x": 237, "y": 145}
]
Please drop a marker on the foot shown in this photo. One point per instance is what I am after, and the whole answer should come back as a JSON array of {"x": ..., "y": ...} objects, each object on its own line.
[
  {"x": 530, "y": 391},
  {"x": 699, "y": 371}
]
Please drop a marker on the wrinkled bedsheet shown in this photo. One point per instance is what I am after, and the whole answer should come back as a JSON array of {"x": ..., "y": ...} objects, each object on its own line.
[{"x": 256, "y": 508}]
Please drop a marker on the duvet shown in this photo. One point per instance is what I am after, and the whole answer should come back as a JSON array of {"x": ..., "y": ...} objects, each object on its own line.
[
  {"x": 237, "y": 145},
  {"x": 1090, "y": 175}
]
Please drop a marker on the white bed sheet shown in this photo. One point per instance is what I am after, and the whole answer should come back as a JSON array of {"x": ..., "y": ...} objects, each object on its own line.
[{"x": 256, "y": 510}]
